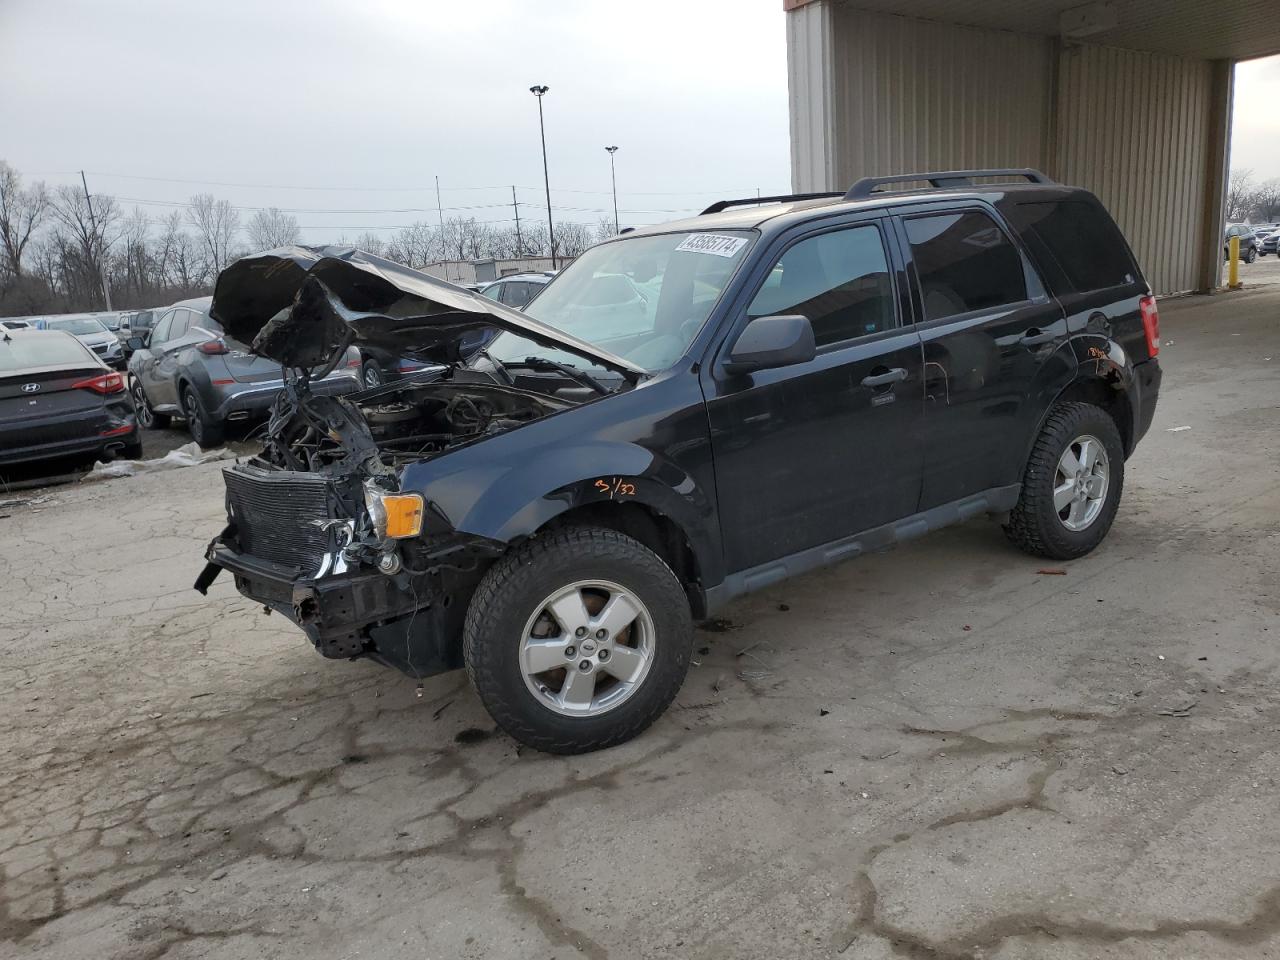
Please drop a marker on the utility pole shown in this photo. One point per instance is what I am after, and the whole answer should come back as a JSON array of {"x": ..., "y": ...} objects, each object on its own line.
[
  {"x": 440, "y": 214},
  {"x": 516, "y": 207},
  {"x": 93, "y": 224},
  {"x": 539, "y": 92},
  {"x": 613, "y": 176}
]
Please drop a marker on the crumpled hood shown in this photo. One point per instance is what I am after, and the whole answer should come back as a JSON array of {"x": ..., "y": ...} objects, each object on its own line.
[{"x": 296, "y": 305}]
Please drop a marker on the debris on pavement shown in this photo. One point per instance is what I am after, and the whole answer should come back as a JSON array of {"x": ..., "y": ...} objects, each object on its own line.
[
  {"x": 1186, "y": 426},
  {"x": 1181, "y": 708},
  {"x": 1052, "y": 572},
  {"x": 187, "y": 455},
  {"x": 1119, "y": 771}
]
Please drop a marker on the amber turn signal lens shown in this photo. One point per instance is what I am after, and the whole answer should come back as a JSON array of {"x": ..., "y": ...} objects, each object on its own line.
[{"x": 404, "y": 514}]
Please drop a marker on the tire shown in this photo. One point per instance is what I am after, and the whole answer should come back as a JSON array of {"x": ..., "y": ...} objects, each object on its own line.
[
  {"x": 371, "y": 375},
  {"x": 512, "y": 597},
  {"x": 1252, "y": 255},
  {"x": 148, "y": 419},
  {"x": 1039, "y": 527},
  {"x": 204, "y": 430}
]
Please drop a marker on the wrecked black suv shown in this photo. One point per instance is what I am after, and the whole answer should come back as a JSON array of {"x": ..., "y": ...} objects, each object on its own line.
[{"x": 687, "y": 413}]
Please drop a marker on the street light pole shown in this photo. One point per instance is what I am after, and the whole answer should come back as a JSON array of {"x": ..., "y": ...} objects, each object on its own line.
[
  {"x": 539, "y": 91},
  {"x": 613, "y": 176}
]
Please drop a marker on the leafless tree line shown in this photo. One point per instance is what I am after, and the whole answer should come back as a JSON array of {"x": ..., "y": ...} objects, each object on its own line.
[
  {"x": 1252, "y": 200},
  {"x": 56, "y": 254}
]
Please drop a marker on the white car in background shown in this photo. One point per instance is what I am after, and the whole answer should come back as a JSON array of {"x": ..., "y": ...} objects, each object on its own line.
[{"x": 90, "y": 331}]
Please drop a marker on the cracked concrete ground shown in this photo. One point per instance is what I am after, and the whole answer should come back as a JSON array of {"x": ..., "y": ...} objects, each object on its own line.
[{"x": 931, "y": 753}]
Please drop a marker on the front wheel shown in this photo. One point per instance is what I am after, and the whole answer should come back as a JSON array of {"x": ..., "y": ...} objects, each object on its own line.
[
  {"x": 1252, "y": 255},
  {"x": 578, "y": 640},
  {"x": 147, "y": 418},
  {"x": 1072, "y": 484},
  {"x": 205, "y": 431},
  {"x": 371, "y": 374}
]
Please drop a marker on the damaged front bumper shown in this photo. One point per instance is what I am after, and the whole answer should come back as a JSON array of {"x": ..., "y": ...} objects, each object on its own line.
[{"x": 410, "y": 619}]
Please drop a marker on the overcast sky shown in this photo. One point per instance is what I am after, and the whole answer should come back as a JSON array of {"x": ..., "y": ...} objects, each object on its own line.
[
  {"x": 377, "y": 97},
  {"x": 378, "y": 94},
  {"x": 1256, "y": 119}
]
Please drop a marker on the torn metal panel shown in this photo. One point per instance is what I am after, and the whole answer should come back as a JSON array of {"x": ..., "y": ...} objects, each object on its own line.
[{"x": 298, "y": 305}]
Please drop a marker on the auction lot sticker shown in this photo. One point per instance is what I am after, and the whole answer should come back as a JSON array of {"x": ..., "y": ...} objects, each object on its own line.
[{"x": 712, "y": 243}]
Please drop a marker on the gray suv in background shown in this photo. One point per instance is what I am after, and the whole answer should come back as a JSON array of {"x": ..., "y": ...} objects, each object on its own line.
[{"x": 186, "y": 366}]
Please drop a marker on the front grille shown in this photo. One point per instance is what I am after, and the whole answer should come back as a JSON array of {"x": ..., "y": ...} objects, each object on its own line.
[
  {"x": 100, "y": 347},
  {"x": 275, "y": 514}
]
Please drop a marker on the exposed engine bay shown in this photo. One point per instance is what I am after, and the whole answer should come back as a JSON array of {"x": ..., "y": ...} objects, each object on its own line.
[{"x": 384, "y": 428}]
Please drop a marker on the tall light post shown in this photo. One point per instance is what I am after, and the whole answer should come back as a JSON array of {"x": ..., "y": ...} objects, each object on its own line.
[
  {"x": 613, "y": 176},
  {"x": 539, "y": 92}
]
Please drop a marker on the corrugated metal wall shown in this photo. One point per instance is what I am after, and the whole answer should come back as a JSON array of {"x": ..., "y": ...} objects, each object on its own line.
[
  {"x": 809, "y": 81},
  {"x": 876, "y": 94},
  {"x": 1133, "y": 127},
  {"x": 920, "y": 95}
]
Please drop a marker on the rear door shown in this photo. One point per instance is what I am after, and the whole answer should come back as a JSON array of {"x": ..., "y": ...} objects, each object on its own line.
[{"x": 988, "y": 326}]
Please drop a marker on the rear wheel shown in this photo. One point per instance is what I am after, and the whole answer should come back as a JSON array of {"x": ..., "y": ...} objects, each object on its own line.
[
  {"x": 1252, "y": 255},
  {"x": 147, "y": 418},
  {"x": 1072, "y": 484},
  {"x": 204, "y": 430},
  {"x": 578, "y": 640}
]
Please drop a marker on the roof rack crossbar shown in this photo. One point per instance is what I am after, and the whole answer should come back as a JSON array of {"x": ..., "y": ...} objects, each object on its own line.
[
  {"x": 720, "y": 205},
  {"x": 940, "y": 180}
]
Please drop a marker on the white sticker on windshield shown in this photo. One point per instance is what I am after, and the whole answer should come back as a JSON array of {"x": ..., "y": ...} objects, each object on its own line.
[{"x": 712, "y": 243}]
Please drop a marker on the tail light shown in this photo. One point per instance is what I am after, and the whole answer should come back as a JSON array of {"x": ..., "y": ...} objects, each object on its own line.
[
  {"x": 353, "y": 362},
  {"x": 106, "y": 384},
  {"x": 213, "y": 348},
  {"x": 1150, "y": 323}
]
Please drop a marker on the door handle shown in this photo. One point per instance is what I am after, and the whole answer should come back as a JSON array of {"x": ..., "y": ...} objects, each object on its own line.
[
  {"x": 1035, "y": 337},
  {"x": 886, "y": 378}
]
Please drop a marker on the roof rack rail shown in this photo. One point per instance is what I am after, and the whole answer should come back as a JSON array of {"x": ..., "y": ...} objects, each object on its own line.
[
  {"x": 940, "y": 180},
  {"x": 720, "y": 205}
]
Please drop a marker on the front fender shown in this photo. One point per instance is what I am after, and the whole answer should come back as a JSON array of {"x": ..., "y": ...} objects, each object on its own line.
[{"x": 506, "y": 500}]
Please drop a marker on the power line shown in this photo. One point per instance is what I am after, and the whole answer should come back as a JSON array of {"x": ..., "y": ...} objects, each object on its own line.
[{"x": 427, "y": 188}]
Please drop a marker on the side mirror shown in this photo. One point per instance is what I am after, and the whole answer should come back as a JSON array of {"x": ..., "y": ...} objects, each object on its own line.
[
  {"x": 135, "y": 343},
  {"x": 769, "y": 342}
]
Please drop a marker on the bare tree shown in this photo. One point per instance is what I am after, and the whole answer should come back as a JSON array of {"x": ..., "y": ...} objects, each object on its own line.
[
  {"x": 1265, "y": 201},
  {"x": 271, "y": 228},
  {"x": 572, "y": 238},
  {"x": 1239, "y": 186},
  {"x": 217, "y": 224},
  {"x": 415, "y": 245},
  {"x": 605, "y": 229},
  {"x": 88, "y": 234},
  {"x": 372, "y": 243},
  {"x": 21, "y": 212}
]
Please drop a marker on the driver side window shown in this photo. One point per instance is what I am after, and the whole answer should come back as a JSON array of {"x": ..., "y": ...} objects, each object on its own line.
[{"x": 839, "y": 280}]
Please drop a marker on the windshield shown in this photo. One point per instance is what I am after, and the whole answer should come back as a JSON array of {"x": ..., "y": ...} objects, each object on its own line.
[
  {"x": 77, "y": 325},
  {"x": 641, "y": 298}
]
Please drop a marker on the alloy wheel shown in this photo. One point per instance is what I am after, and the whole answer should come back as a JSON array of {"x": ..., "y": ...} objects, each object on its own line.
[
  {"x": 587, "y": 648},
  {"x": 1080, "y": 483},
  {"x": 191, "y": 409},
  {"x": 142, "y": 409}
]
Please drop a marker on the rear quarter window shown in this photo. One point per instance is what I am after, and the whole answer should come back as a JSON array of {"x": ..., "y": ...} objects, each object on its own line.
[{"x": 1082, "y": 239}]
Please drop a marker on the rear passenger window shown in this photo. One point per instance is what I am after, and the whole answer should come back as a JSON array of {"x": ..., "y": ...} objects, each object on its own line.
[
  {"x": 181, "y": 319},
  {"x": 839, "y": 280},
  {"x": 1083, "y": 240},
  {"x": 964, "y": 262}
]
